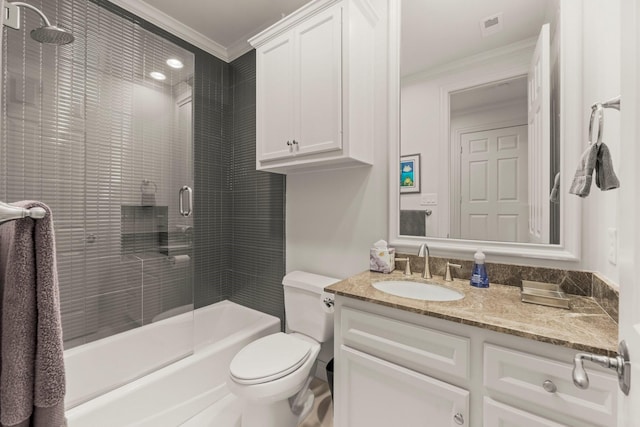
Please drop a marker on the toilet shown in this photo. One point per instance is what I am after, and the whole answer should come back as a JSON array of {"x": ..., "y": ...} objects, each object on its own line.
[{"x": 271, "y": 375}]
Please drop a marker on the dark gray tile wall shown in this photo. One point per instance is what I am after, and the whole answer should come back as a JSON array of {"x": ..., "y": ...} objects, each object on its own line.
[
  {"x": 212, "y": 198},
  {"x": 257, "y": 262}
]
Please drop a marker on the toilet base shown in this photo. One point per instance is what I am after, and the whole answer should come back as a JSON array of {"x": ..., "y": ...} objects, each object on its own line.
[{"x": 275, "y": 414}]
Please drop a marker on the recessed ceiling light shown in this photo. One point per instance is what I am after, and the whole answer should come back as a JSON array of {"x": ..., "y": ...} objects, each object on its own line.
[
  {"x": 157, "y": 75},
  {"x": 174, "y": 63}
]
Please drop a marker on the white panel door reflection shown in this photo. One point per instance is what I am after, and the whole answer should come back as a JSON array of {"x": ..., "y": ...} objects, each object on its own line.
[{"x": 493, "y": 181}]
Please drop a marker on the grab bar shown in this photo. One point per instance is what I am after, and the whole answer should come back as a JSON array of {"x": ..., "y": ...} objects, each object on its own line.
[{"x": 9, "y": 212}]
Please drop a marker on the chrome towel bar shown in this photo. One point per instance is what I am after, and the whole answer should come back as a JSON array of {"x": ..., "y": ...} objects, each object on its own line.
[
  {"x": 9, "y": 212},
  {"x": 598, "y": 109}
]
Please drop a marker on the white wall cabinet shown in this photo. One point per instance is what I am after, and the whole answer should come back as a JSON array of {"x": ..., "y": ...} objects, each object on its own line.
[
  {"x": 315, "y": 89},
  {"x": 394, "y": 367}
]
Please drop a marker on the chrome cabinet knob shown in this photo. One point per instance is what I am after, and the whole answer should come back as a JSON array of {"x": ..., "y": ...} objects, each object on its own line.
[
  {"x": 458, "y": 418},
  {"x": 549, "y": 386}
]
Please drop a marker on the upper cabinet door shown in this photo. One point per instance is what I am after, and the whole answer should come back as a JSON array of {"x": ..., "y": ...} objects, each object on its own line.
[
  {"x": 318, "y": 112},
  {"x": 275, "y": 100}
]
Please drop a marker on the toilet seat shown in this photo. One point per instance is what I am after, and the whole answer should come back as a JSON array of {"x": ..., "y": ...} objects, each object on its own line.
[{"x": 269, "y": 358}]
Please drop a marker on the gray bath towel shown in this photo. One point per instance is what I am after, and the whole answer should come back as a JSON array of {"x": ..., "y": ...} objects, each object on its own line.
[
  {"x": 606, "y": 178},
  {"x": 412, "y": 223},
  {"x": 581, "y": 184},
  {"x": 32, "y": 379}
]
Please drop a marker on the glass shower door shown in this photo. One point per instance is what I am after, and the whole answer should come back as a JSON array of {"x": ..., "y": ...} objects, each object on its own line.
[{"x": 101, "y": 131}]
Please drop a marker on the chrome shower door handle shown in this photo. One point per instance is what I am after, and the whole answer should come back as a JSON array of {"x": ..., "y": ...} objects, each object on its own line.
[{"x": 189, "y": 191}]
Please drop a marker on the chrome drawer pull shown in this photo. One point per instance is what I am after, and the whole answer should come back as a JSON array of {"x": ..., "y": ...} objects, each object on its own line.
[{"x": 458, "y": 418}]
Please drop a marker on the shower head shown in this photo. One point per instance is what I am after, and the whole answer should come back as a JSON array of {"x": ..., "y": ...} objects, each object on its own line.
[
  {"x": 46, "y": 34},
  {"x": 51, "y": 34}
]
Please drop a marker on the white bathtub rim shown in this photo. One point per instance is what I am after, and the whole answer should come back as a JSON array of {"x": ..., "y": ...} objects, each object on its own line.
[{"x": 262, "y": 324}]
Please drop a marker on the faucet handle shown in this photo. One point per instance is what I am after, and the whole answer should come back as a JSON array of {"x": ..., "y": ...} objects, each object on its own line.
[
  {"x": 407, "y": 268},
  {"x": 447, "y": 275}
]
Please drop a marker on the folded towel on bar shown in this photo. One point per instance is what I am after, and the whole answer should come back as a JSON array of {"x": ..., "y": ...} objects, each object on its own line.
[
  {"x": 32, "y": 377},
  {"x": 413, "y": 223},
  {"x": 581, "y": 184},
  {"x": 606, "y": 178},
  {"x": 554, "y": 197}
]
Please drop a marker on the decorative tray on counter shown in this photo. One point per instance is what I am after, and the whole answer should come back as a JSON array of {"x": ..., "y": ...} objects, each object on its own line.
[{"x": 544, "y": 294}]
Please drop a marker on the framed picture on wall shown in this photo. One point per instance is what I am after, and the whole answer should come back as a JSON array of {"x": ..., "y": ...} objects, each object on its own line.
[{"x": 410, "y": 173}]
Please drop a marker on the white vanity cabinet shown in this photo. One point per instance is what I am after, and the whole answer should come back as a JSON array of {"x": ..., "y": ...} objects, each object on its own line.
[
  {"x": 393, "y": 367},
  {"x": 314, "y": 82}
]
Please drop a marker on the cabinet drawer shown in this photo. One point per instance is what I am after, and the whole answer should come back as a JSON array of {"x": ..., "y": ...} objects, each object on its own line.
[
  {"x": 498, "y": 414},
  {"x": 521, "y": 376},
  {"x": 412, "y": 346}
]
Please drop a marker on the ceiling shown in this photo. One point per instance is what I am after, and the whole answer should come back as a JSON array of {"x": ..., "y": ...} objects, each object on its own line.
[
  {"x": 221, "y": 27},
  {"x": 437, "y": 32}
]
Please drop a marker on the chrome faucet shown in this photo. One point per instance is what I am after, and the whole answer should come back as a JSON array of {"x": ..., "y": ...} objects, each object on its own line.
[
  {"x": 424, "y": 253},
  {"x": 447, "y": 275}
]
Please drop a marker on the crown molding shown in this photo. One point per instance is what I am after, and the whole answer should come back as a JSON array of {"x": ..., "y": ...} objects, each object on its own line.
[
  {"x": 172, "y": 25},
  {"x": 291, "y": 20},
  {"x": 473, "y": 60}
]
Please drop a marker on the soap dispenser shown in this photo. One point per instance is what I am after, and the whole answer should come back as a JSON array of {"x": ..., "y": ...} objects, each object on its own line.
[{"x": 479, "y": 277}]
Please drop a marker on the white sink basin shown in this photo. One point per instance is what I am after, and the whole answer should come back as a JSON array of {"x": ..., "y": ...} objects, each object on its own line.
[{"x": 421, "y": 291}]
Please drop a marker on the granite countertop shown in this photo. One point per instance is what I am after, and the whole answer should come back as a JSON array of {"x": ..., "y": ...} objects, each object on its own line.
[{"x": 585, "y": 327}]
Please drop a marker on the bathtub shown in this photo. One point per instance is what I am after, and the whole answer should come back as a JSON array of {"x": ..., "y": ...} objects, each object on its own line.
[{"x": 172, "y": 395}]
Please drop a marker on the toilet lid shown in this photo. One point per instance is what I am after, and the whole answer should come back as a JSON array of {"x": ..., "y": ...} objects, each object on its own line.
[{"x": 269, "y": 358}]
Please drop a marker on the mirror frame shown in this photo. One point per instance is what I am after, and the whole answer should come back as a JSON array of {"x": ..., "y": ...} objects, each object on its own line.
[{"x": 571, "y": 134}]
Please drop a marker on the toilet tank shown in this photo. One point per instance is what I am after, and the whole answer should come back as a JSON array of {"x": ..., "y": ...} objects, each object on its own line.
[{"x": 303, "y": 306}]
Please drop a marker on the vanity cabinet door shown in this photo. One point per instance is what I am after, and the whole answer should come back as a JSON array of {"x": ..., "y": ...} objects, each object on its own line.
[{"x": 378, "y": 393}]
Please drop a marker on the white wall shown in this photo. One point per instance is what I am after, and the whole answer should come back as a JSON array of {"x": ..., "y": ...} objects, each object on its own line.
[
  {"x": 601, "y": 82},
  {"x": 333, "y": 217}
]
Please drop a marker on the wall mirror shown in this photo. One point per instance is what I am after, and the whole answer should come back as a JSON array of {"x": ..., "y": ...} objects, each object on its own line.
[{"x": 484, "y": 105}]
